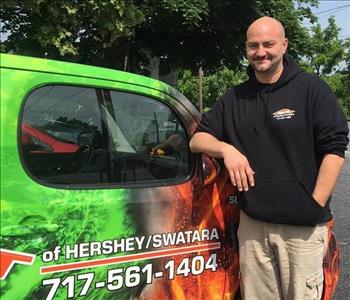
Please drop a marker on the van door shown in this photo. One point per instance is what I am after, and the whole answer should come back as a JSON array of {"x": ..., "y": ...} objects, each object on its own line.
[{"x": 110, "y": 204}]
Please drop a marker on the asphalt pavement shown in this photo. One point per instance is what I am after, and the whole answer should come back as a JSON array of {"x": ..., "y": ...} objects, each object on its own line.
[{"x": 341, "y": 210}]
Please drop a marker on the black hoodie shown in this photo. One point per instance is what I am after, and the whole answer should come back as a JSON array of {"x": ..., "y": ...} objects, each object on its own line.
[{"x": 284, "y": 129}]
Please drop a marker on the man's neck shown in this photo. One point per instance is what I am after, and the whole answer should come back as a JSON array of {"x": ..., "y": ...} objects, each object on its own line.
[{"x": 269, "y": 78}]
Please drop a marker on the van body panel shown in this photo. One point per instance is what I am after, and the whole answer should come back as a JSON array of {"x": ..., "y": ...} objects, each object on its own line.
[{"x": 102, "y": 241}]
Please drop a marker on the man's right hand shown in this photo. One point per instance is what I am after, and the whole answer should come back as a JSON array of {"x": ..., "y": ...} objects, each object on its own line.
[{"x": 237, "y": 165}]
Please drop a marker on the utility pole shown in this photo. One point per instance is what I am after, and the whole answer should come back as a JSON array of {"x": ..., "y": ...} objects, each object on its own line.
[
  {"x": 125, "y": 62},
  {"x": 200, "y": 88}
]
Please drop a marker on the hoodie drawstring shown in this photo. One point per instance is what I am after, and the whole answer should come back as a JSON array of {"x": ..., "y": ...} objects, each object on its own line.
[
  {"x": 257, "y": 114},
  {"x": 267, "y": 111}
]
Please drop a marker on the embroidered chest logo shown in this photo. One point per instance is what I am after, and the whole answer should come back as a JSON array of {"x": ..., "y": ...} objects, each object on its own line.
[{"x": 284, "y": 113}]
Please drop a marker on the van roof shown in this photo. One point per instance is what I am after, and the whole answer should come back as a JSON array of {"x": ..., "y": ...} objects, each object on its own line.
[
  {"x": 11, "y": 61},
  {"x": 18, "y": 62}
]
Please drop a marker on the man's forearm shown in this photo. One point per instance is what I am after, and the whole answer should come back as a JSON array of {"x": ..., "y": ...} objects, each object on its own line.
[
  {"x": 208, "y": 144},
  {"x": 327, "y": 177}
]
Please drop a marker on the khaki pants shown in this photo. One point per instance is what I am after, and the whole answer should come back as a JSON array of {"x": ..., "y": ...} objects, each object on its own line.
[{"x": 281, "y": 261}]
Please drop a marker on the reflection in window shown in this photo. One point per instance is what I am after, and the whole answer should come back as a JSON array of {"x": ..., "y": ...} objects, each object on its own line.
[
  {"x": 76, "y": 135},
  {"x": 155, "y": 132}
]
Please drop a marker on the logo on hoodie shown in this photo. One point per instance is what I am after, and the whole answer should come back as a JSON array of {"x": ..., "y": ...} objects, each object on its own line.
[{"x": 284, "y": 113}]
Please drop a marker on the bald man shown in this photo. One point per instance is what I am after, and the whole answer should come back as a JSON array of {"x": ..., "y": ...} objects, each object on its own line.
[{"x": 282, "y": 138}]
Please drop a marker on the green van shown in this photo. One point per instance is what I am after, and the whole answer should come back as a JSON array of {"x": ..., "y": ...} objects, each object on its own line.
[{"x": 101, "y": 197}]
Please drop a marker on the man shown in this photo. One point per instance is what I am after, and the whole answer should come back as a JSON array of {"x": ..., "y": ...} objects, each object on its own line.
[{"x": 282, "y": 138}]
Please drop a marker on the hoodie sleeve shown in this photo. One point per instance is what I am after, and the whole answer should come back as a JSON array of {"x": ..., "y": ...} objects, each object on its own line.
[
  {"x": 330, "y": 125},
  {"x": 213, "y": 120}
]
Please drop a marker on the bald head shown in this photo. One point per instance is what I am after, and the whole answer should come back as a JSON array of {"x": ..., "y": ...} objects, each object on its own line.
[
  {"x": 265, "y": 46},
  {"x": 267, "y": 25}
]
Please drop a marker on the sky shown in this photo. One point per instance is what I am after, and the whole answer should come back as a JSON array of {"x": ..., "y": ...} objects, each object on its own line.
[{"x": 339, "y": 9}]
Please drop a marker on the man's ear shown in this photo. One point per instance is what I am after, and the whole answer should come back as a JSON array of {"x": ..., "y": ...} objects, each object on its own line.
[{"x": 285, "y": 45}]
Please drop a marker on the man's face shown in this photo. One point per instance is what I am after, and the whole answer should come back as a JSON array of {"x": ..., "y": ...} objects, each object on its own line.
[{"x": 265, "y": 47}]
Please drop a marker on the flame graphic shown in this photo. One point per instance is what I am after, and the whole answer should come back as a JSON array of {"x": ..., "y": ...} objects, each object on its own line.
[
  {"x": 331, "y": 265},
  {"x": 202, "y": 208}
]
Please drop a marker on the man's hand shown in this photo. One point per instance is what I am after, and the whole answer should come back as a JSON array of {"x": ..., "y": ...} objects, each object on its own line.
[
  {"x": 327, "y": 177},
  {"x": 237, "y": 165}
]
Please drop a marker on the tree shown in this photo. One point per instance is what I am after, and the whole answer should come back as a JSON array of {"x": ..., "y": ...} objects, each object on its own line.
[
  {"x": 214, "y": 85},
  {"x": 340, "y": 81},
  {"x": 182, "y": 33},
  {"x": 340, "y": 85},
  {"x": 325, "y": 62},
  {"x": 215, "y": 36},
  {"x": 328, "y": 56},
  {"x": 75, "y": 30}
]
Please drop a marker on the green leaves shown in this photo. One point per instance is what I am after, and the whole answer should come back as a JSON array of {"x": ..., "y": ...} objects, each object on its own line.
[
  {"x": 340, "y": 85},
  {"x": 214, "y": 86},
  {"x": 325, "y": 51},
  {"x": 329, "y": 57},
  {"x": 58, "y": 27},
  {"x": 183, "y": 33}
]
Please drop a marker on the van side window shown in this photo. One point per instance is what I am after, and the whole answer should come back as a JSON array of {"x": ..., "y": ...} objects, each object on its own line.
[{"x": 76, "y": 135}]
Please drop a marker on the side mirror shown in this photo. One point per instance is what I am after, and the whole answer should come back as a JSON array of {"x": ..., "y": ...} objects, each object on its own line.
[{"x": 210, "y": 170}]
